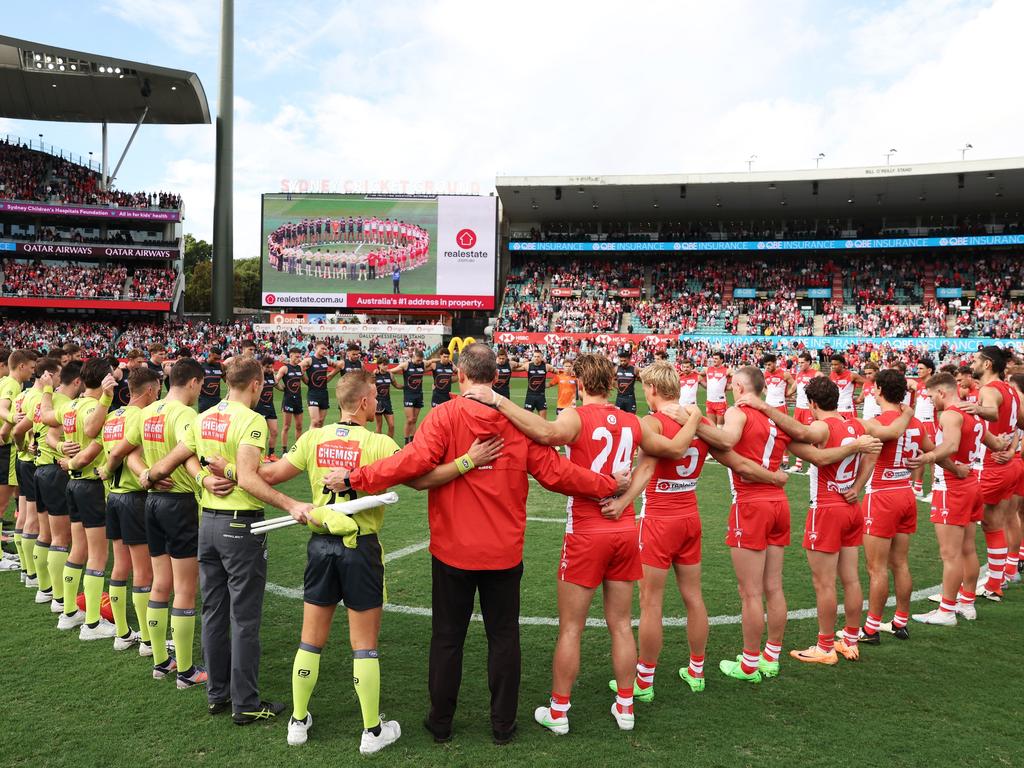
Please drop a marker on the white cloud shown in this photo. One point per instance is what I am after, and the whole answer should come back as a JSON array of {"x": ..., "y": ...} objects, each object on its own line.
[{"x": 190, "y": 26}]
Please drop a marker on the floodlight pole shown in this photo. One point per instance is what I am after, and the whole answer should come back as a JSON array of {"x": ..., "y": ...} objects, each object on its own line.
[
  {"x": 103, "y": 172},
  {"x": 223, "y": 250}
]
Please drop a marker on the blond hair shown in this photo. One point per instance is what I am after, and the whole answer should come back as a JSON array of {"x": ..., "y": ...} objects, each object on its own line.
[
  {"x": 352, "y": 388},
  {"x": 662, "y": 378}
]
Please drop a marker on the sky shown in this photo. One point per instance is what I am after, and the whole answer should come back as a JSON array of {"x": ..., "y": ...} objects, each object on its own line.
[{"x": 407, "y": 96}]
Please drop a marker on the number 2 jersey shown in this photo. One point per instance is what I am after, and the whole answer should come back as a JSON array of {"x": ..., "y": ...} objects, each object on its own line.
[
  {"x": 608, "y": 441},
  {"x": 831, "y": 481},
  {"x": 672, "y": 490}
]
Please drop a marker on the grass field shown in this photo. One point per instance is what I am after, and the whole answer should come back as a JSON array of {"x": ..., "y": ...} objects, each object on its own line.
[
  {"x": 278, "y": 210},
  {"x": 949, "y": 696}
]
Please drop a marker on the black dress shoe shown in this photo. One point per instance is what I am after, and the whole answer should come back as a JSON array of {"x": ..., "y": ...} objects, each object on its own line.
[
  {"x": 440, "y": 736},
  {"x": 220, "y": 707},
  {"x": 501, "y": 738},
  {"x": 266, "y": 711}
]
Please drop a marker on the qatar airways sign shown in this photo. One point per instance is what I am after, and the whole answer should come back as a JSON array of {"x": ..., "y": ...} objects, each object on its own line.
[{"x": 64, "y": 250}]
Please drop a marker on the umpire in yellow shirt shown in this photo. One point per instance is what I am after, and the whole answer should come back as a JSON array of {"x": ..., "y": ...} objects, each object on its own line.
[{"x": 232, "y": 561}]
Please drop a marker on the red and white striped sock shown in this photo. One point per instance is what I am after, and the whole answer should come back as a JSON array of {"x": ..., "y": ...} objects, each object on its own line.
[
  {"x": 748, "y": 663},
  {"x": 559, "y": 706},
  {"x": 851, "y": 635},
  {"x": 624, "y": 701},
  {"x": 644, "y": 675},
  {"x": 947, "y": 606},
  {"x": 696, "y": 668},
  {"x": 918, "y": 489},
  {"x": 995, "y": 543},
  {"x": 1012, "y": 565},
  {"x": 772, "y": 651},
  {"x": 966, "y": 598},
  {"x": 827, "y": 643},
  {"x": 899, "y": 620},
  {"x": 873, "y": 624}
]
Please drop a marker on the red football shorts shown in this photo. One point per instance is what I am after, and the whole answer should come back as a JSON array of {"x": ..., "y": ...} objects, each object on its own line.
[
  {"x": 887, "y": 513},
  {"x": 803, "y": 415},
  {"x": 830, "y": 528},
  {"x": 758, "y": 524},
  {"x": 1020, "y": 483},
  {"x": 999, "y": 481},
  {"x": 960, "y": 504},
  {"x": 717, "y": 409},
  {"x": 666, "y": 541},
  {"x": 589, "y": 559}
]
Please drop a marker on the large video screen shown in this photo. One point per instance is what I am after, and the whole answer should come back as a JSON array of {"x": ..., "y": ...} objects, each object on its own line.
[{"x": 378, "y": 252}]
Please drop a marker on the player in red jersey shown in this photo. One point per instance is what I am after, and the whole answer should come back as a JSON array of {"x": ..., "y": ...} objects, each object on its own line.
[
  {"x": 967, "y": 385},
  {"x": 890, "y": 511},
  {"x": 715, "y": 379},
  {"x": 835, "y": 526},
  {"x": 868, "y": 393},
  {"x": 998, "y": 405},
  {"x": 924, "y": 412},
  {"x": 759, "y": 525},
  {"x": 596, "y": 551},
  {"x": 1015, "y": 515},
  {"x": 956, "y": 498},
  {"x": 847, "y": 381},
  {"x": 802, "y": 412},
  {"x": 669, "y": 532}
]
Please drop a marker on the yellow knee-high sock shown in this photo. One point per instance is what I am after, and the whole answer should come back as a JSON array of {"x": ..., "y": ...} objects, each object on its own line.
[
  {"x": 140, "y": 601},
  {"x": 40, "y": 554},
  {"x": 55, "y": 563},
  {"x": 305, "y": 672},
  {"x": 366, "y": 678},
  {"x": 28, "y": 548},
  {"x": 119, "y": 605},
  {"x": 92, "y": 585},
  {"x": 156, "y": 618},
  {"x": 71, "y": 578},
  {"x": 183, "y": 629}
]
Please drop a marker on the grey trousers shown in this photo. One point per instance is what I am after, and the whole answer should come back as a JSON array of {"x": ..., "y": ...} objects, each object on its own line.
[{"x": 232, "y": 577}]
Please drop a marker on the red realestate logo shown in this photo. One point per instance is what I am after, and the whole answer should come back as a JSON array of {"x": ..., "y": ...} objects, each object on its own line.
[
  {"x": 270, "y": 300},
  {"x": 466, "y": 238}
]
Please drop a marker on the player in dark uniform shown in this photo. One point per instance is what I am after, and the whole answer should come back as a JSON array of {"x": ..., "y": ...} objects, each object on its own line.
[
  {"x": 353, "y": 358},
  {"x": 501, "y": 382},
  {"x": 412, "y": 383},
  {"x": 625, "y": 384},
  {"x": 319, "y": 372},
  {"x": 289, "y": 378},
  {"x": 265, "y": 405},
  {"x": 157, "y": 363},
  {"x": 383, "y": 380},
  {"x": 133, "y": 359},
  {"x": 536, "y": 383},
  {"x": 444, "y": 372},
  {"x": 213, "y": 375}
]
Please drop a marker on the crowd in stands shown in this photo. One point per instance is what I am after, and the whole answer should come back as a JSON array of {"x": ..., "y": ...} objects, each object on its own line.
[
  {"x": 990, "y": 315},
  {"x": 870, "y": 318},
  {"x": 598, "y": 277},
  {"x": 29, "y": 174},
  {"x": 783, "y": 277},
  {"x": 883, "y": 279},
  {"x": 151, "y": 283},
  {"x": 64, "y": 280},
  {"x": 685, "y": 315},
  {"x": 777, "y": 317}
]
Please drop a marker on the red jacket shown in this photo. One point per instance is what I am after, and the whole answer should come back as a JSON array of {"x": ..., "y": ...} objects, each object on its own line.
[{"x": 478, "y": 521}]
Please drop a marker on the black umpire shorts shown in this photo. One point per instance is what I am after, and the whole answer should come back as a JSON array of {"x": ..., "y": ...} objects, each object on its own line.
[
  {"x": 8, "y": 464},
  {"x": 126, "y": 517},
  {"x": 535, "y": 403},
  {"x": 384, "y": 406},
  {"x": 86, "y": 503},
  {"x": 335, "y": 573},
  {"x": 26, "y": 472},
  {"x": 172, "y": 524},
  {"x": 51, "y": 490}
]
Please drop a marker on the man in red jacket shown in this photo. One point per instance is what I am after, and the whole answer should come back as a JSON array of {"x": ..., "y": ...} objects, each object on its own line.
[{"x": 477, "y": 528}]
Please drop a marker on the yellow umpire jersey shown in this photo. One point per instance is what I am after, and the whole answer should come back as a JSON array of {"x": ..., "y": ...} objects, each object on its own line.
[
  {"x": 118, "y": 424},
  {"x": 159, "y": 429},
  {"x": 25, "y": 405},
  {"x": 219, "y": 431},
  {"x": 47, "y": 455},
  {"x": 10, "y": 389},
  {"x": 73, "y": 416},
  {"x": 341, "y": 446}
]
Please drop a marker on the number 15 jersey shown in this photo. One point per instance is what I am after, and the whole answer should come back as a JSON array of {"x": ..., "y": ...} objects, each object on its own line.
[{"x": 607, "y": 442}]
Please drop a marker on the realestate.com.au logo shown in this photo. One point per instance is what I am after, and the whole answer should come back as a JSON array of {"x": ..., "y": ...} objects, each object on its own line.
[
  {"x": 466, "y": 239},
  {"x": 271, "y": 300}
]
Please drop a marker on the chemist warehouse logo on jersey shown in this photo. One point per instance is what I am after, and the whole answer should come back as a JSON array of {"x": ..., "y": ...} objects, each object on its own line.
[
  {"x": 338, "y": 453},
  {"x": 215, "y": 426},
  {"x": 113, "y": 430},
  {"x": 70, "y": 422},
  {"x": 153, "y": 429}
]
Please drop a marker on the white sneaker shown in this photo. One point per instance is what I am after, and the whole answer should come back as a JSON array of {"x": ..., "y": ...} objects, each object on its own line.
[
  {"x": 989, "y": 595},
  {"x": 935, "y": 598},
  {"x": 124, "y": 643},
  {"x": 66, "y": 622},
  {"x": 103, "y": 630},
  {"x": 31, "y": 582},
  {"x": 56, "y": 606},
  {"x": 298, "y": 730},
  {"x": 938, "y": 617},
  {"x": 10, "y": 565},
  {"x": 43, "y": 597},
  {"x": 10, "y": 556},
  {"x": 967, "y": 611},
  {"x": 390, "y": 730},
  {"x": 145, "y": 649},
  {"x": 624, "y": 720},
  {"x": 543, "y": 716},
  {"x": 982, "y": 580}
]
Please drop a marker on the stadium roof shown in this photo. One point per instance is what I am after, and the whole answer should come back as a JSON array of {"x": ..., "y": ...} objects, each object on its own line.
[
  {"x": 44, "y": 82},
  {"x": 917, "y": 189}
]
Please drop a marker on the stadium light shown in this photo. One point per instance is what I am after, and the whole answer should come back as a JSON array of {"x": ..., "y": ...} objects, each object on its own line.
[
  {"x": 963, "y": 150},
  {"x": 888, "y": 155},
  {"x": 750, "y": 162},
  {"x": 818, "y": 159}
]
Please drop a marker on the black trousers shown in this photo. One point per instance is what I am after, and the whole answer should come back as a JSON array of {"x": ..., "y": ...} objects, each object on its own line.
[{"x": 452, "y": 604}]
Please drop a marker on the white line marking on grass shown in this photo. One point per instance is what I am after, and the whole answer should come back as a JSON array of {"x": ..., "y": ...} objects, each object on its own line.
[
  {"x": 546, "y": 520},
  {"x": 548, "y": 621}
]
